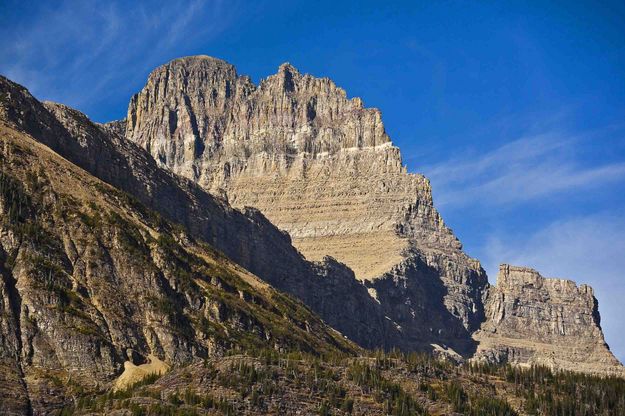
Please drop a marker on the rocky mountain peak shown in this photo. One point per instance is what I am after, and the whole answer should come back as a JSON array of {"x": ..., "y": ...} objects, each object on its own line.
[
  {"x": 204, "y": 59},
  {"x": 196, "y": 110},
  {"x": 287, "y": 74},
  {"x": 287, "y": 67},
  {"x": 189, "y": 76},
  {"x": 197, "y": 65},
  {"x": 321, "y": 167}
]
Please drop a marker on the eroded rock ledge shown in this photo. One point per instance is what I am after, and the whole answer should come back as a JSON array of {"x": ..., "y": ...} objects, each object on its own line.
[{"x": 531, "y": 319}]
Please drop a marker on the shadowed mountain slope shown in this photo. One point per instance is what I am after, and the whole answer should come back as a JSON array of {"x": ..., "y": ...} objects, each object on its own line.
[{"x": 90, "y": 279}]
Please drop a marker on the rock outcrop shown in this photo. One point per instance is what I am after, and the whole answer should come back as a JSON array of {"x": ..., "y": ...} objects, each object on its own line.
[
  {"x": 321, "y": 167},
  {"x": 535, "y": 320}
]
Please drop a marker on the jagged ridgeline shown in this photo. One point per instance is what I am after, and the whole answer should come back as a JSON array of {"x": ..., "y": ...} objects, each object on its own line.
[{"x": 122, "y": 257}]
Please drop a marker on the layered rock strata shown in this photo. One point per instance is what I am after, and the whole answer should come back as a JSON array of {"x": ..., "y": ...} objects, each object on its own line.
[
  {"x": 321, "y": 167},
  {"x": 535, "y": 320}
]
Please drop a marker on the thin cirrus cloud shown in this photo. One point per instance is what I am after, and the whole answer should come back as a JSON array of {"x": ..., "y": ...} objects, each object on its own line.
[
  {"x": 80, "y": 52},
  {"x": 588, "y": 249},
  {"x": 522, "y": 170}
]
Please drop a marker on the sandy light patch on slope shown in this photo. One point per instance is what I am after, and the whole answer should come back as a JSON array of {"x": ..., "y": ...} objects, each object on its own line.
[{"x": 134, "y": 373}]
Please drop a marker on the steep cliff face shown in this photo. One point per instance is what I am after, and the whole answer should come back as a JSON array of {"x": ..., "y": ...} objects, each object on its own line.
[
  {"x": 534, "y": 320},
  {"x": 246, "y": 237},
  {"x": 321, "y": 167}
]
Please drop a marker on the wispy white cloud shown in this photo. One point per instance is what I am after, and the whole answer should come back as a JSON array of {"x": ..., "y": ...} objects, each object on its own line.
[
  {"x": 522, "y": 170},
  {"x": 589, "y": 249},
  {"x": 82, "y": 52},
  {"x": 500, "y": 184}
]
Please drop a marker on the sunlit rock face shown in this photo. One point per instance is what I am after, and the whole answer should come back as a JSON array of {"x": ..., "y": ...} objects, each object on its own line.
[
  {"x": 321, "y": 167},
  {"x": 535, "y": 320},
  {"x": 327, "y": 287}
]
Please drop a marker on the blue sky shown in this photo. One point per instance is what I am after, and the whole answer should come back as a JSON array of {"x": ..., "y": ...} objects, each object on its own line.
[{"x": 515, "y": 111}]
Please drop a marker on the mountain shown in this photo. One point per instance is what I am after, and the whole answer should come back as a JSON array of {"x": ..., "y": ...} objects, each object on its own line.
[
  {"x": 321, "y": 167},
  {"x": 246, "y": 237},
  {"x": 273, "y": 223}
]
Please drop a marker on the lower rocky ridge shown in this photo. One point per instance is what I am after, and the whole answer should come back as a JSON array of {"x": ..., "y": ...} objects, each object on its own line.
[
  {"x": 535, "y": 320},
  {"x": 91, "y": 282}
]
